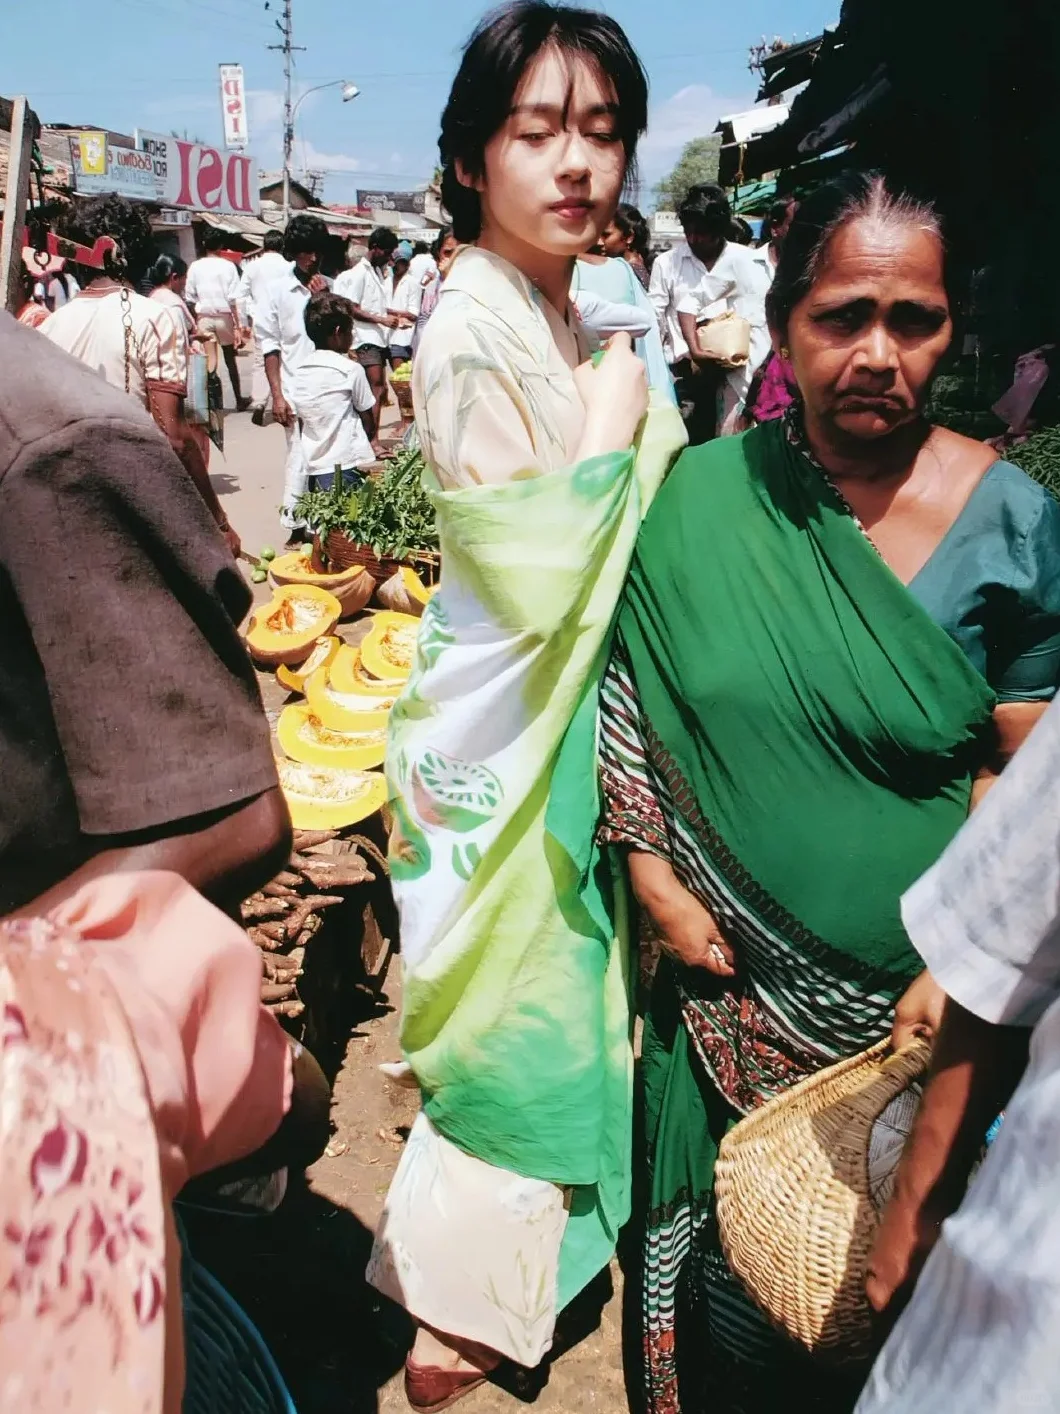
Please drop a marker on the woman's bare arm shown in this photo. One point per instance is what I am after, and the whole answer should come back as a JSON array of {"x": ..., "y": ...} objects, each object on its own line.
[
  {"x": 1013, "y": 724},
  {"x": 975, "y": 1068}
]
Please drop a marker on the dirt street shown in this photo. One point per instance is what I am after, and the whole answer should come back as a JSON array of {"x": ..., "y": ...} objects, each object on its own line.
[{"x": 300, "y": 1273}]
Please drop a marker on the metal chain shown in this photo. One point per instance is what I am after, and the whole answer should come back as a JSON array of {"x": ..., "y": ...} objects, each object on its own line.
[{"x": 127, "y": 327}]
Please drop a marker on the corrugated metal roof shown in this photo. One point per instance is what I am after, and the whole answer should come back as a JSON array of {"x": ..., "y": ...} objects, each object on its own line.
[
  {"x": 741, "y": 127},
  {"x": 787, "y": 68}
]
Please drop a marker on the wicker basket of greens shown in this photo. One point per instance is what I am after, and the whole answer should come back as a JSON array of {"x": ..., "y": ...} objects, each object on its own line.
[{"x": 386, "y": 522}]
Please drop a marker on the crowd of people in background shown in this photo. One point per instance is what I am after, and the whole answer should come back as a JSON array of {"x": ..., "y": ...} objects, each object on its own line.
[{"x": 671, "y": 302}]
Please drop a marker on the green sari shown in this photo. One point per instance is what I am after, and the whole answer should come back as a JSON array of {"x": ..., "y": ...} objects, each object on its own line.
[{"x": 788, "y": 726}]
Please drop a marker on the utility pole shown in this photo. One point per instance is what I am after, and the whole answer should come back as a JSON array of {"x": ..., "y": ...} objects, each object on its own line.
[
  {"x": 288, "y": 48},
  {"x": 19, "y": 119}
]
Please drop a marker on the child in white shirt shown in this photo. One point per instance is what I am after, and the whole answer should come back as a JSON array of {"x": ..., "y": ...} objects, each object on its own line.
[{"x": 331, "y": 397}]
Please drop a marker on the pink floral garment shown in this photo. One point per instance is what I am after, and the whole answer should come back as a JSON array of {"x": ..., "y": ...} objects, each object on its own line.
[
  {"x": 133, "y": 1054},
  {"x": 83, "y": 1241}
]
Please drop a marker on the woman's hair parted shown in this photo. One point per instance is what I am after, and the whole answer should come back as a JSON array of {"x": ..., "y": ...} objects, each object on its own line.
[
  {"x": 164, "y": 269},
  {"x": 856, "y": 196},
  {"x": 496, "y": 57}
]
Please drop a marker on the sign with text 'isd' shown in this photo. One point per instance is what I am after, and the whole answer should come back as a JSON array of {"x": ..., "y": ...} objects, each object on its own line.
[
  {"x": 234, "y": 106},
  {"x": 414, "y": 203},
  {"x": 195, "y": 177}
]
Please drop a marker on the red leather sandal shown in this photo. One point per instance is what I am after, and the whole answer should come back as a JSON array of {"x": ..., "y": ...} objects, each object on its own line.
[{"x": 430, "y": 1389}]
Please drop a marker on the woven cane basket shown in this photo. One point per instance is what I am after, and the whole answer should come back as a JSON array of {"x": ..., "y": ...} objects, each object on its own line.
[
  {"x": 403, "y": 396},
  {"x": 795, "y": 1213},
  {"x": 342, "y": 553}
]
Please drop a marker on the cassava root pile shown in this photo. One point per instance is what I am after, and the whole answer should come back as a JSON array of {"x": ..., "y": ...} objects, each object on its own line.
[{"x": 284, "y": 916}]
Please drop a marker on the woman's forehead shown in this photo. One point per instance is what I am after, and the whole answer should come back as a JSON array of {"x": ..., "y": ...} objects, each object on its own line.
[
  {"x": 868, "y": 249},
  {"x": 566, "y": 83}
]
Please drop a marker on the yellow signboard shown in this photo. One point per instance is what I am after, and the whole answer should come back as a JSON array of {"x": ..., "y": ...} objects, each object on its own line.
[{"x": 93, "y": 154}]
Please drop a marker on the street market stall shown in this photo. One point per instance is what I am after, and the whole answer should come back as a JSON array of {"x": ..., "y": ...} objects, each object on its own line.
[{"x": 334, "y": 646}]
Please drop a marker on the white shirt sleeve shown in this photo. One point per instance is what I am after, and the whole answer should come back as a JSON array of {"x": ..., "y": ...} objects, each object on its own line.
[
  {"x": 230, "y": 284},
  {"x": 986, "y": 918},
  {"x": 659, "y": 289},
  {"x": 244, "y": 295},
  {"x": 608, "y": 317},
  {"x": 363, "y": 397},
  {"x": 191, "y": 287},
  {"x": 352, "y": 285},
  {"x": 415, "y": 298},
  {"x": 267, "y": 321},
  {"x": 752, "y": 286}
]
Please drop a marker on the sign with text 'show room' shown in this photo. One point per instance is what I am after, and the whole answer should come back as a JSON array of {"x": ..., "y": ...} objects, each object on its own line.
[
  {"x": 234, "y": 106},
  {"x": 194, "y": 177}
]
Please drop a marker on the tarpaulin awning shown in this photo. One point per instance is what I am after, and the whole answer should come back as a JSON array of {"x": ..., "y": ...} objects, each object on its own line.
[
  {"x": 250, "y": 227},
  {"x": 754, "y": 197}
]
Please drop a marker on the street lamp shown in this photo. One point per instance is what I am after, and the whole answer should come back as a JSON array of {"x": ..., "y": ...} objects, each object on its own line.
[{"x": 349, "y": 92}]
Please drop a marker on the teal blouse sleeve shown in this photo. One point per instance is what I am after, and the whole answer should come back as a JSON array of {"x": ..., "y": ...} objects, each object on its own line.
[
  {"x": 994, "y": 585},
  {"x": 1032, "y": 670}
]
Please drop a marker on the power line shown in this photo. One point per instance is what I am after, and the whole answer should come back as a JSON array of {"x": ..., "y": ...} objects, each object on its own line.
[
  {"x": 228, "y": 19},
  {"x": 157, "y": 9}
]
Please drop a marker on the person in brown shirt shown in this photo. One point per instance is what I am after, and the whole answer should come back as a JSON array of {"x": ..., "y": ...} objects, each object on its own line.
[{"x": 132, "y": 734}]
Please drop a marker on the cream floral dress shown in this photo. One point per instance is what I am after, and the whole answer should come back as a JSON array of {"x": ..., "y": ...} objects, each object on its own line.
[{"x": 469, "y": 1248}]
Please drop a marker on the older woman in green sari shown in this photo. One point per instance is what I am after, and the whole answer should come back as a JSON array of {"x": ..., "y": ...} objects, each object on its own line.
[{"x": 835, "y": 632}]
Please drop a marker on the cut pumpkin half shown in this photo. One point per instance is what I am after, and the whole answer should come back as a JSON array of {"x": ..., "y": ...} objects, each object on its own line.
[
  {"x": 295, "y": 679},
  {"x": 358, "y": 711},
  {"x": 285, "y": 630},
  {"x": 327, "y": 797},
  {"x": 390, "y": 647},
  {"x": 305, "y": 738},
  {"x": 346, "y": 673},
  {"x": 404, "y": 592},
  {"x": 352, "y": 588}
]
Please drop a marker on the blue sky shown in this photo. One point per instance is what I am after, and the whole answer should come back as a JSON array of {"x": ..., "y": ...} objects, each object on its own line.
[{"x": 124, "y": 64}]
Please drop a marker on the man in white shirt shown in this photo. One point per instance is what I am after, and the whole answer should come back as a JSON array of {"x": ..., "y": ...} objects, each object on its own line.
[
  {"x": 775, "y": 227},
  {"x": 259, "y": 272},
  {"x": 280, "y": 319},
  {"x": 365, "y": 286},
  {"x": 331, "y": 397},
  {"x": 708, "y": 274},
  {"x": 212, "y": 292},
  {"x": 60, "y": 288},
  {"x": 404, "y": 299},
  {"x": 422, "y": 267}
]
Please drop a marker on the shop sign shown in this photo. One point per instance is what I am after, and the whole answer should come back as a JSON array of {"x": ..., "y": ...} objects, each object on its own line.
[
  {"x": 234, "y": 106},
  {"x": 414, "y": 203},
  {"x": 200, "y": 178},
  {"x": 666, "y": 225},
  {"x": 100, "y": 167},
  {"x": 170, "y": 216}
]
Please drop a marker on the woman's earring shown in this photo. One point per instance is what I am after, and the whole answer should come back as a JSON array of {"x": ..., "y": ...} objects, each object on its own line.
[{"x": 784, "y": 353}]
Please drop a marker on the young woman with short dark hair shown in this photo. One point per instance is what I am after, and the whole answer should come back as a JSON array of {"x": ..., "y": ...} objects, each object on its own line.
[{"x": 516, "y": 1178}]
